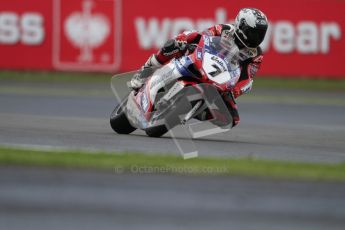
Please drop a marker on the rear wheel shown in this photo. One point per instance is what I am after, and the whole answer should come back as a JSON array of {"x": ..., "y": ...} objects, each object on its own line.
[{"x": 118, "y": 120}]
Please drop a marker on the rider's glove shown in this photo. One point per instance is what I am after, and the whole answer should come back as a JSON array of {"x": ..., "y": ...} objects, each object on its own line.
[
  {"x": 181, "y": 41},
  {"x": 242, "y": 87}
]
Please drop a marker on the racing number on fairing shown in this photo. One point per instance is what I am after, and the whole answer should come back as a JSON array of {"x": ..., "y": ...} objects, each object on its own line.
[
  {"x": 216, "y": 68},
  {"x": 216, "y": 72}
]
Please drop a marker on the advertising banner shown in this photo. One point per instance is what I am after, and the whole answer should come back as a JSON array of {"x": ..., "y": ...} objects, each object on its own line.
[
  {"x": 86, "y": 35},
  {"x": 305, "y": 37},
  {"x": 25, "y": 34},
  {"x": 81, "y": 35}
]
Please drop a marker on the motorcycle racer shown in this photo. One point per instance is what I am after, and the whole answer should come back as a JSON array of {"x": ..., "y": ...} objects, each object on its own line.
[{"x": 246, "y": 33}]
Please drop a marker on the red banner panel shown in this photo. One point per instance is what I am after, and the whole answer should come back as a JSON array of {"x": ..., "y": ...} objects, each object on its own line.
[
  {"x": 25, "y": 34},
  {"x": 81, "y": 35},
  {"x": 305, "y": 37},
  {"x": 86, "y": 35}
]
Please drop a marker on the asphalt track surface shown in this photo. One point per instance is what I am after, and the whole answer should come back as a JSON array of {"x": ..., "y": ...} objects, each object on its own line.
[
  {"x": 55, "y": 199},
  {"x": 70, "y": 116},
  {"x": 67, "y": 116}
]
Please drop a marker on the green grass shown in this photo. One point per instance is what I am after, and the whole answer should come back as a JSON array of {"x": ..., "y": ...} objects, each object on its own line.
[
  {"x": 260, "y": 82},
  {"x": 170, "y": 164}
]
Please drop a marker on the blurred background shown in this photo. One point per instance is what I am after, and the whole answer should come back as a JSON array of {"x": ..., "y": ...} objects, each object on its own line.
[
  {"x": 281, "y": 168},
  {"x": 305, "y": 38}
]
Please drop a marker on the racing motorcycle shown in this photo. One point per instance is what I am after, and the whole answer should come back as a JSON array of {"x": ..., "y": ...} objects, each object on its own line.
[{"x": 193, "y": 86}]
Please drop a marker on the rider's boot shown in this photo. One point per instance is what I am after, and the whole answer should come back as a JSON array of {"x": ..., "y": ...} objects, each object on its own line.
[{"x": 146, "y": 70}]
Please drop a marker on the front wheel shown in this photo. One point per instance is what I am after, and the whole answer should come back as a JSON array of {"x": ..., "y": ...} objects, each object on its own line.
[
  {"x": 156, "y": 131},
  {"x": 118, "y": 120}
]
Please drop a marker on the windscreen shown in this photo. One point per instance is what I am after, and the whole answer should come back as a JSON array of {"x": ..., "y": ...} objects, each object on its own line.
[{"x": 224, "y": 48}]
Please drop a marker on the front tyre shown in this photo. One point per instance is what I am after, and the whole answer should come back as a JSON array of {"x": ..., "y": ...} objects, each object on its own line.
[
  {"x": 118, "y": 120},
  {"x": 156, "y": 131}
]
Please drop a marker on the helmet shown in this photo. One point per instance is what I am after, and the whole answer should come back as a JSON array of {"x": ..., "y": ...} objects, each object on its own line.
[{"x": 251, "y": 26}]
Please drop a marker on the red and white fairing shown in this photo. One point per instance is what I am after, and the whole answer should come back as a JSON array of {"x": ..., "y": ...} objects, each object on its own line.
[{"x": 212, "y": 63}]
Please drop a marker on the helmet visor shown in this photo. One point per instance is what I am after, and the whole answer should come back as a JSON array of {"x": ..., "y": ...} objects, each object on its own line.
[{"x": 254, "y": 35}]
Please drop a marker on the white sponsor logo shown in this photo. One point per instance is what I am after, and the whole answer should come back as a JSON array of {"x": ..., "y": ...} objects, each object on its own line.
[
  {"x": 305, "y": 37},
  {"x": 87, "y": 31},
  {"x": 152, "y": 33},
  {"x": 27, "y": 28},
  {"x": 199, "y": 55}
]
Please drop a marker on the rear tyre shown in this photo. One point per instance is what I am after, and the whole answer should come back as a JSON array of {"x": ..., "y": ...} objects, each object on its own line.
[
  {"x": 119, "y": 122},
  {"x": 156, "y": 131}
]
